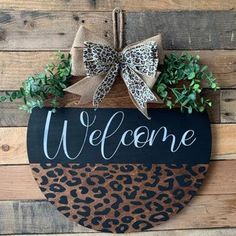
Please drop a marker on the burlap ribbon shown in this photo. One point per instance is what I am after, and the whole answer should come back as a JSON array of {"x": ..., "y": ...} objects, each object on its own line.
[{"x": 137, "y": 64}]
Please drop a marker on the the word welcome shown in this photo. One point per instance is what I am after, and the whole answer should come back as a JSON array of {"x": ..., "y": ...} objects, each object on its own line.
[{"x": 139, "y": 137}]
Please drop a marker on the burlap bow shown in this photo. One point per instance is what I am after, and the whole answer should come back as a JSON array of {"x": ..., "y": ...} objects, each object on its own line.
[{"x": 137, "y": 64}]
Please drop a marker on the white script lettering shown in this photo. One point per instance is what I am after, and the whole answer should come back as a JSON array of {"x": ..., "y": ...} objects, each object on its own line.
[{"x": 139, "y": 137}]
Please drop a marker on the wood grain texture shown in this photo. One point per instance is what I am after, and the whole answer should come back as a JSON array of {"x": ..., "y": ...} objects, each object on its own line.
[
  {"x": 23, "y": 217},
  {"x": 37, "y": 30},
  {"x": 31, "y": 30},
  {"x": 228, "y": 106},
  {"x": 12, "y": 116},
  {"x": 214, "y": 110},
  {"x": 15, "y": 67},
  {"x": 190, "y": 232},
  {"x": 184, "y": 30},
  {"x": 17, "y": 183},
  {"x": 223, "y": 139},
  {"x": 13, "y": 146},
  {"x": 29, "y": 217},
  {"x": 109, "y": 5}
]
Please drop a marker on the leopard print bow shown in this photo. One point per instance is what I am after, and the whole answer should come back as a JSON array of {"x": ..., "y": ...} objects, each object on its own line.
[{"x": 137, "y": 65}]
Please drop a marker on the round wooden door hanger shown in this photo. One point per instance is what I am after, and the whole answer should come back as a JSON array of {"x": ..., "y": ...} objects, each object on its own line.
[{"x": 113, "y": 170}]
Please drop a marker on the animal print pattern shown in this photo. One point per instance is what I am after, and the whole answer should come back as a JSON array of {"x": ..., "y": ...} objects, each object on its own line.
[
  {"x": 105, "y": 85},
  {"x": 143, "y": 58},
  {"x": 133, "y": 62},
  {"x": 138, "y": 89},
  {"x": 98, "y": 58},
  {"x": 119, "y": 198}
]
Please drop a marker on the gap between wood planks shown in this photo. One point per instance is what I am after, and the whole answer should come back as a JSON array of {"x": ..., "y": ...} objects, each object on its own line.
[
  {"x": 183, "y": 232},
  {"x": 13, "y": 117},
  {"x": 17, "y": 66},
  {"x": 41, "y": 217}
]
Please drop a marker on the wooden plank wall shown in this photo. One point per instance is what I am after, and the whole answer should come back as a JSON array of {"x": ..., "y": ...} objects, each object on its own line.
[{"x": 31, "y": 31}]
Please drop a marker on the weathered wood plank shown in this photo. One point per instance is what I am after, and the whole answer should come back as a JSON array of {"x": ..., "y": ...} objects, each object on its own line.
[
  {"x": 17, "y": 66},
  {"x": 13, "y": 144},
  {"x": 189, "y": 232},
  {"x": 28, "y": 217},
  {"x": 184, "y": 30},
  {"x": 214, "y": 111},
  {"x": 12, "y": 116},
  {"x": 228, "y": 106},
  {"x": 17, "y": 183},
  {"x": 22, "y": 217},
  {"x": 109, "y": 5},
  {"x": 223, "y": 139},
  {"x": 32, "y": 30}
]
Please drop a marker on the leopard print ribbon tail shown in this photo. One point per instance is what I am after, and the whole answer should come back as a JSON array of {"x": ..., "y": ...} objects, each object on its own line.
[
  {"x": 139, "y": 92},
  {"x": 105, "y": 86}
]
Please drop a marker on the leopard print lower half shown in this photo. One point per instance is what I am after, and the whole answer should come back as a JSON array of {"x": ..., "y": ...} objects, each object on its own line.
[{"x": 119, "y": 198}]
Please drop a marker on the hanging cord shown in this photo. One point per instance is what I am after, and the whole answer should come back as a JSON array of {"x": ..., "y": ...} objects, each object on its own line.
[{"x": 118, "y": 28}]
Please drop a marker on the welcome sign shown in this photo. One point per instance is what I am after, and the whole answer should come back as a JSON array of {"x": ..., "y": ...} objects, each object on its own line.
[
  {"x": 114, "y": 170},
  {"x": 109, "y": 135}
]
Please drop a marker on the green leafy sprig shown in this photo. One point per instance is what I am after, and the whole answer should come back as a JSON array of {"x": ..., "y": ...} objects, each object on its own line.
[
  {"x": 43, "y": 88},
  {"x": 180, "y": 82}
]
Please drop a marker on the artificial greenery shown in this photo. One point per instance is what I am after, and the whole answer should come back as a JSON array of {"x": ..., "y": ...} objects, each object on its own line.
[
  {"x": 43, "y": 88},
  {"x": 180, "y": 82}
]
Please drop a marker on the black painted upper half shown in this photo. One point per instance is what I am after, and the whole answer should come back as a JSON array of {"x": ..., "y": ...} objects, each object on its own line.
[{"x": 81, "y": 135}]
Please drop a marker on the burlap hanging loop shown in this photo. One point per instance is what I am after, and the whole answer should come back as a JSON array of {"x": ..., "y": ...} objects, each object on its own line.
[
  {"x": 118, "y": 28},
  {"x": 102, "y": 62}
]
